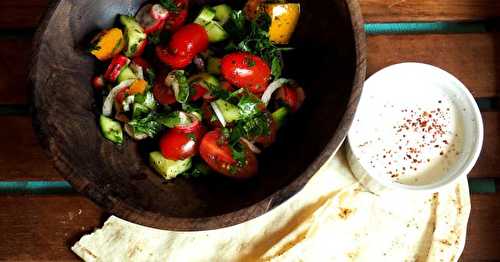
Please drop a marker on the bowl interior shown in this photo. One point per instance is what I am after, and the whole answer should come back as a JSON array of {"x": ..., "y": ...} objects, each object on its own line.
[{"x": 118, "y": 178}]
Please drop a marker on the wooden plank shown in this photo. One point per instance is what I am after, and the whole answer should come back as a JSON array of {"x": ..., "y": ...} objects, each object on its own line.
[
  {"x": 27, "y": 13},
  {"x": 488, "y": 164},
  {"x": 21, "y": 156},
  {"x": 15, "y": 56},
  {"x": 483, "y": 232},
  {"x": 428, "y": 10},
  {"x": 472, "y": 58},
  {"x": 46, "y": 226},
  {"x": 42, "y": 228},
  {"x": 16, "y": 14}
]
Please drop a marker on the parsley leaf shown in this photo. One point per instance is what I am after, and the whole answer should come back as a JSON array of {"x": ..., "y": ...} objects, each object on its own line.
[
  {"x": 170, "y": 5},
  {"x": 248, "y": 105},
  {"x": 183, "y": 94},
  {"x": 147, "y": 125}
]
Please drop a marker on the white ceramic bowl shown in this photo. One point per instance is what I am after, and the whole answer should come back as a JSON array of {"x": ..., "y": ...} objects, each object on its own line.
[{"x": 412, "y": 86}]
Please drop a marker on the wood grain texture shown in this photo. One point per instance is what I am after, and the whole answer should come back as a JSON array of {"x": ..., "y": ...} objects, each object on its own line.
[
  {"x": 472, "y": 58},
  {"x": 21, "y": 157},
  {"x": 27, "y": 13},
  {"x": 18, "y": 14},
  {"x": 428, "y": 10},
  {"x": 15, "y": 54},
  {"x": 42, "y": 228},
  {"x": 488, "y": 164},
  {"x": 483, "y": 232},
  {"x": 46, "y": 226}
]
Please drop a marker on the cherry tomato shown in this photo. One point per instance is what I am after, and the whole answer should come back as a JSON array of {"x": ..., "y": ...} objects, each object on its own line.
[
  {"x": 147, "y": 21},
  {"x": 115, "y": 67},
  {"x": 98, "y": 82},
  {"x": 162, "y": 93},
  {"x": 189, "y": 40},
  {"x": 177, "y": 19},
  {"x": 120, "y": 96},
  {"x": 177, "y": 145},
  {"x": 246, "y": 70},
  {"x": 199, "y": 92},
  {"x": 141, "y": 48},
  {"x": 175, "y": 62},
  {"x": 218, "y": 155},
  {"x": 291, "y": 96}
]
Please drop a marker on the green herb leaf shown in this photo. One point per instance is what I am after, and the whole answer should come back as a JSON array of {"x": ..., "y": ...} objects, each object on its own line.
[
  {"x": 183, "y": 94},
  {"x": 238, "y": 154},
  {"x": 173, "y": 119},
  {"x": 170, "y": 5},
  {"x": 248, "y": 105},
  {"x": 199, "y": 169},
  {"x": 147, "y": 125},
  {"x": 276, "y": 67}
]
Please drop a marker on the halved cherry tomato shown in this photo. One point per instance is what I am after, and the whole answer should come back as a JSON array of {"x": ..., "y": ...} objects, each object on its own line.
[
  {"x": 177, "y": 145},
  {"x": 199, "y": 91},
  {"x": 175, "y": 62},
  {"x": 246, "y": 70},
  {"x": 98, "y": 82},
  {"x": 141, "y": 48},
  {"x": 162, "y": 93},
  {"x": 148, "y": 22},
  {"x": 293, "y": 97},
  {"x": 115, "y": 67},
  {"x": 176, "y": 19},
  {"x": 218, "y": 155},
  {"x": 189, "y": 40},
  {"x": 120, "y": 96}
]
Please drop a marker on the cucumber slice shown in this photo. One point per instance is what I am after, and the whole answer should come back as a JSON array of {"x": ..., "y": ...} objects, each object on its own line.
[
  {"x": 111, "y": 129},
  {"x": 126, "y": 74},
  {"x": 213, "y": 65},
  {"x": 279, "y": 115},
  {"x": 168, "y": 168},
  {"x": 229, "y": 111},
  {"x": 139, "y": 110},
  {"x": 206, "y": 15},
  {"x": 134, "y": 34},
  {"x": 215, "y": 32},
  {"x": 222, "y": 13}
]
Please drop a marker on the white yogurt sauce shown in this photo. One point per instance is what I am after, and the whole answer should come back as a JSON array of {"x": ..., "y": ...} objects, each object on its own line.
[{"x": 410, "y": 134}]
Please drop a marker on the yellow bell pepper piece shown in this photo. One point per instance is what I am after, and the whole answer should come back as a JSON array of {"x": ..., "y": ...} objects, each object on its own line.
[
  {"x": 284, "y": 18},
  {"x": 138, "y": 87},
  {"x": 108, "y": 43}
]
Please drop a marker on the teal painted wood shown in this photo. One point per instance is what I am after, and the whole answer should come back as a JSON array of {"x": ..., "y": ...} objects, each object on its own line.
[
  {"x": 477, "y": 185},
  {"x": 35, "y": 187},
  {"x": 425, "y": 28}
]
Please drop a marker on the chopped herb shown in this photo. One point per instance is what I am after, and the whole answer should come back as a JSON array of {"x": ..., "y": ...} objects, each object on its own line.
[
  {"x": 276, "y": 67},
  {"x": 238, "y": 154},
  {"x": 150, "y": 76},
  {"x": 249, "y": 61},
  {"x": 191, "y": 136},
  {"x": 148, "y": 125},
  {"x": 183, "y": 94},
  {"x": 170, "y": 5},
  {"x": 173, "y": 119},
  {"x": 249, "y": 106},
  {"x": 199, "y": 169}
]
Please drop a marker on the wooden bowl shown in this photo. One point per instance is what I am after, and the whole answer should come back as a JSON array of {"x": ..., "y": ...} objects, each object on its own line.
[{"x": 329, "y": 61}]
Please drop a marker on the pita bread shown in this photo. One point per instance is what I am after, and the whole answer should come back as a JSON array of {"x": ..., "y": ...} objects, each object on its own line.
[{"x": 332, "y": 219}]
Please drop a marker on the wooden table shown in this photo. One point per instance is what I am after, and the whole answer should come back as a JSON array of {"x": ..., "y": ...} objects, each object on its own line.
[{"x": 39, "y": 220}]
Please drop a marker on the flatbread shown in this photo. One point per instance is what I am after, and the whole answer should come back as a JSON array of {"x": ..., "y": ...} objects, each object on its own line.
[{"x": 332, "y": 219}]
